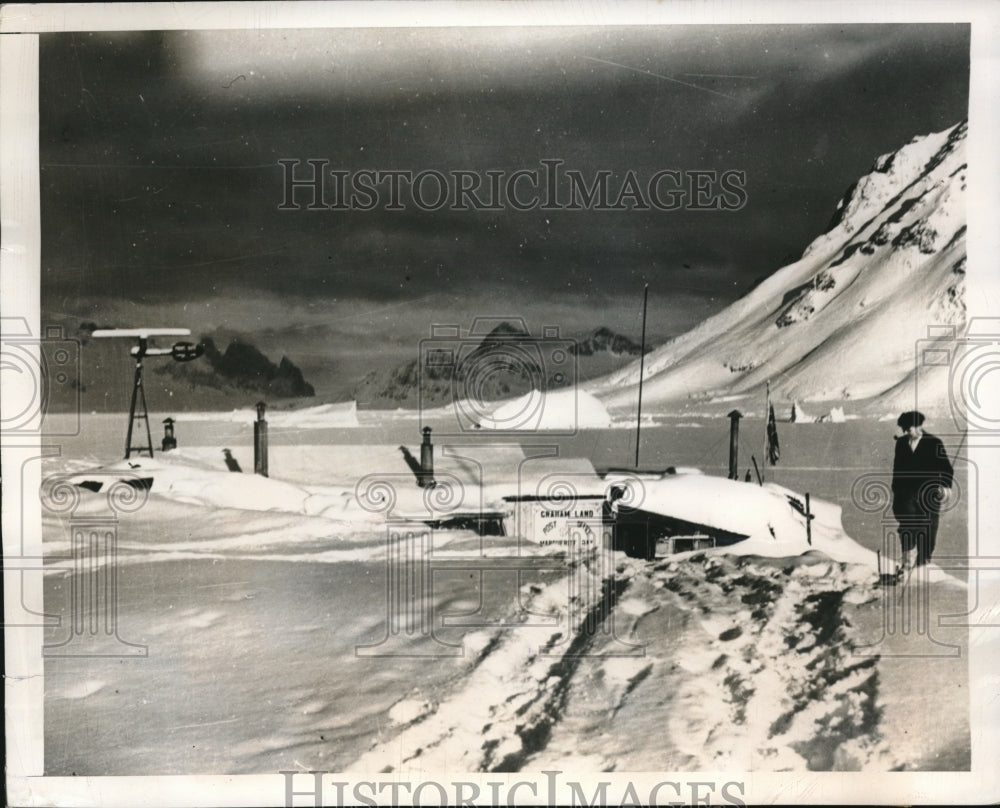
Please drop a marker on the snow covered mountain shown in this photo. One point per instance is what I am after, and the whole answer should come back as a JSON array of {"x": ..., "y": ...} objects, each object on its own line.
[
  {"x": 236, "y": 375},
  {"x": 493, "y": 369},
  {"x": 841, "y": 323},
  {"x": 607, "y": 341}
]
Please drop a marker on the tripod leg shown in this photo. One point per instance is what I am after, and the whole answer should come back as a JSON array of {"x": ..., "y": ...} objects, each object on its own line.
[
  {"x": 137, "y": 381},
  {"x": 145, "y": 417}
]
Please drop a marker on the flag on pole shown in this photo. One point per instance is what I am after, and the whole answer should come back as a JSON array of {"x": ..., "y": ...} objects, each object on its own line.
[{"x": 773, "y": 449}]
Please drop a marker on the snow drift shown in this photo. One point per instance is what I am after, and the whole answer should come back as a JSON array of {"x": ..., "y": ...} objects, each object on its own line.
[{"x": 562, "y": 410}]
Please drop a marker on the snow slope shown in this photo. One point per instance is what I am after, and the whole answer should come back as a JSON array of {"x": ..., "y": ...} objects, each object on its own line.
[
  {"x": 842, "y": 321},
  {"x": 741, "y": 663},
  {"x": 563, "y": 410}
]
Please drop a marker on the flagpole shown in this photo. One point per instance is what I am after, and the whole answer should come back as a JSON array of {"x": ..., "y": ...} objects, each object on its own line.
[
  {"x": 767, "y": 425},
  {"x": 642, "y": 367}
]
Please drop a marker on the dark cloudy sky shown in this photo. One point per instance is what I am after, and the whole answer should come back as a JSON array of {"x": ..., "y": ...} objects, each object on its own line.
[{"x": 161, "y": 182}]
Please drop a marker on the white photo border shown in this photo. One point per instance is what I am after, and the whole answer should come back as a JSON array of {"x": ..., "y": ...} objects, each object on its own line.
[{"x": 20, "y": 26}]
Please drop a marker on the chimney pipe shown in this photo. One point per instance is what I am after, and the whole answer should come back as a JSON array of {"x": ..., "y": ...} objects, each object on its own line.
[
  {"x": 426, "y": 459},
  {"x": 169, "y": 441},
  {"x": 260, "y": 441},
  {"x": 734, "y": 441}
]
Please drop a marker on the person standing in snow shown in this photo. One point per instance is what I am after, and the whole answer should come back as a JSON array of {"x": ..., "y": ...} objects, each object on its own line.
[{"x": 921, "y": 484}]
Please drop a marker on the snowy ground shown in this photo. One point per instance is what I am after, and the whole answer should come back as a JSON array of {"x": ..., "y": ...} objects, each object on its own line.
[{"x": 263, "y": 605}]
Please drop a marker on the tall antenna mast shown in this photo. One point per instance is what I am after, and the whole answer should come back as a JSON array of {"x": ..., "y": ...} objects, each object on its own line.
[
  {"x": 181, "y": 352},
  {"x": 642, "y": 369},
  {"x": 767, "y": 426}
]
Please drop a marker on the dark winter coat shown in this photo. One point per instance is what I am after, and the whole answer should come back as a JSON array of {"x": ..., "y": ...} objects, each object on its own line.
[{"x": 916, "y": 475}]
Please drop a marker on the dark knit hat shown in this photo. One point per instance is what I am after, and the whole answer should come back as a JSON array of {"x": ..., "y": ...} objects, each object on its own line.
[{"x": 911, "y": 418}]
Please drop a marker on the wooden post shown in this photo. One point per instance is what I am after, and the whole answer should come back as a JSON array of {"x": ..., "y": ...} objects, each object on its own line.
[
  {"x": 260, "y": 441},
  {"x": 734, "y": 442},
  {"x": 809, "y": 522},
  {"x": 426, "y": 477},
  {"x": 642, "y": 372}
]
